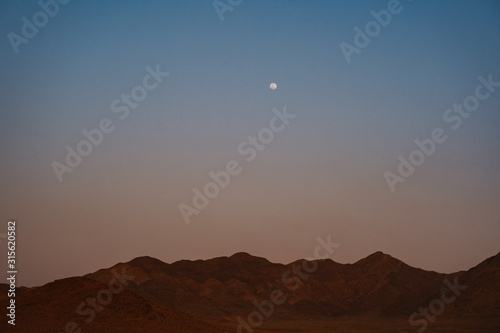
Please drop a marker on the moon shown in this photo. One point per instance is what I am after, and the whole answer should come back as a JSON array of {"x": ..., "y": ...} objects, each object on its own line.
[{"x": 273, "y": 86}]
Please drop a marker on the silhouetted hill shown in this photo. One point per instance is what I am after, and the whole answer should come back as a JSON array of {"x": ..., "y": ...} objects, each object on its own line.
[
  {"x": 201, "y": 295},
  {"x": 51, "y": 307},
  {"x": 226, "y": 287},
  {"x": 481, "y": 298}
]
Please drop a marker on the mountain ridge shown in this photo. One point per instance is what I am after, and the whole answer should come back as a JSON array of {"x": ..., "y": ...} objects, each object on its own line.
[{"x": 205, "y": 294}]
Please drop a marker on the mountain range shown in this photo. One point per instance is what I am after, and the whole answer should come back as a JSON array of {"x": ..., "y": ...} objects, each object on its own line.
[{"x": 244, "y": 293}]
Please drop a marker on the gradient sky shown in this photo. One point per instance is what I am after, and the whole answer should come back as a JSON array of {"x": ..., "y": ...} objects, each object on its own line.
[{"x": 323, "y": 175}]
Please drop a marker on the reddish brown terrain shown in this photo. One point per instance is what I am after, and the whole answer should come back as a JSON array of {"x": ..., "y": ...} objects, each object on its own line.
[{"x": 375, "y": 294}]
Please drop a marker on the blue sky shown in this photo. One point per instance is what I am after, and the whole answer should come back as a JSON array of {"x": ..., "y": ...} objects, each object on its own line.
[{"x": 322, "y": 175}]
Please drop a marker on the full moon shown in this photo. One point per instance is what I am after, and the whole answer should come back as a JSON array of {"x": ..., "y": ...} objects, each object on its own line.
[{"x": 273, "y": 86}]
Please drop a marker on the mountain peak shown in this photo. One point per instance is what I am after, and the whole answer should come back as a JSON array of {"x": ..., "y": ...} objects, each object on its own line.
[
  {"x": 145, "y": 261},
  {"x": 377, "y": 257},
  {"x": 246, "y": 257},
  {"x": 242, "y": 255}
]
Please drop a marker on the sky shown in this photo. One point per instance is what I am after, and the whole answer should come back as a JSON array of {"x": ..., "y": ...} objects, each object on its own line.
[{"x": 322, "y": 170}]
